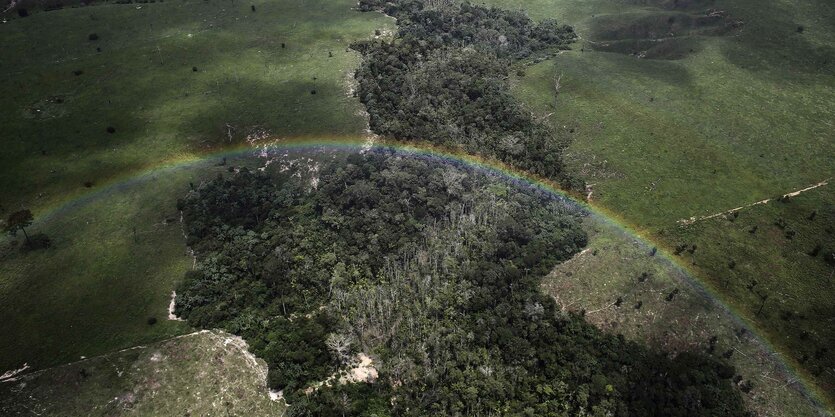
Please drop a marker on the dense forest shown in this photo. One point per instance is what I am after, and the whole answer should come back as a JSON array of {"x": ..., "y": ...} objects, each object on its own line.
[
  {"x": 443, "y": 79},
  {"x": 431, "y": 269}
]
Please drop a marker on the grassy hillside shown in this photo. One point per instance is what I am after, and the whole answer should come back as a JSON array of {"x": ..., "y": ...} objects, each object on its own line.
[
  {"x": 117, "y": 255},
  {"x": 254, "y": 70},
  {"x": 675, "y": 114},
  {"x": 625, "y": 290},
  {"x": 204, "y": 373}
]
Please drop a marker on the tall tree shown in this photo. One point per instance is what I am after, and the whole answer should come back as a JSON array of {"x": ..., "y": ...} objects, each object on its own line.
[{"x": 19, "y": 220}]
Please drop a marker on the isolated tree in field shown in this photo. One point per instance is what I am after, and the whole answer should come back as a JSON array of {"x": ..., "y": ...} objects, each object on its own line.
[
  {"x": 557, "y": 86},
  {"x": 19, "y": 220}
]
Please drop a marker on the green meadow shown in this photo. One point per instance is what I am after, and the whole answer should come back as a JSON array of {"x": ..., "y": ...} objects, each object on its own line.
[
  {"x": 675, "y": 114},
  {"x": 118, "y": 250}
]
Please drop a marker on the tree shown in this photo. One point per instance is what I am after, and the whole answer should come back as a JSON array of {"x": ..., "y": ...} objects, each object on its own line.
[
  {"x": 557, "y": 86},
  {"x": 340, "y": 345},
  {"x": 19, "y": 220}
]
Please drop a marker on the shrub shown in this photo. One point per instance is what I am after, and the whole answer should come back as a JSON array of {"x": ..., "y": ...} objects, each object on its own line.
[
  {"x": 152, "y": 321},
  {"x": 93, "y": 37}
]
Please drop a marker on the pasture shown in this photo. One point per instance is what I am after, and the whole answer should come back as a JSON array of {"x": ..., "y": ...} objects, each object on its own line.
[
  {"x": 174, "y": 80},
  {"x": 686, "y": 109}
]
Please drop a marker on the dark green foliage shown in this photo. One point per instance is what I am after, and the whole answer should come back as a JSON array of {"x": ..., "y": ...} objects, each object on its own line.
[
  {"x": 19, "y": 221},
  {"x": 443, "y": 80},
  {"x": 93, "y": 37},
  {"x": 435, "y": 271},
  {"x": 781, "y": 223},
  {"x": 361, "y": 400},
  {"x": 296, "y": 351}
]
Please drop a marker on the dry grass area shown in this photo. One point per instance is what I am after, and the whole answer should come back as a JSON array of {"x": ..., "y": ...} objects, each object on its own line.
[
  {"x": 623, "y": 289},
  {"x": 206, "y": 373}
]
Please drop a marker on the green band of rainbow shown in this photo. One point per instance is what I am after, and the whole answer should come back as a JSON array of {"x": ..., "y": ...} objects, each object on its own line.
[{"x": 488, "y": 165}]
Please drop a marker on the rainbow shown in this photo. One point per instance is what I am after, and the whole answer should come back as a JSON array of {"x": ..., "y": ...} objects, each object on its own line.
[{"x": 486, "y": 165}]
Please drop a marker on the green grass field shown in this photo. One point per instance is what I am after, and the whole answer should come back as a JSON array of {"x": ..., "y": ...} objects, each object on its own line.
[
  {"x": 95, "y": 289},
  {"x": 143, "y": 85},
  {"x": 723, "y": 116}
]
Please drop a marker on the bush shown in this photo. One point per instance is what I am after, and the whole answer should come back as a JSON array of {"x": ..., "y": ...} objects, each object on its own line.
[{"x": 93, "y": 37}]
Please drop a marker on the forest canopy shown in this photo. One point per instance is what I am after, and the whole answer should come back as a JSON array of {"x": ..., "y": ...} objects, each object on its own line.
[
  {"x": 443, "y": 79},
  {"x": 434, "y": 271}
]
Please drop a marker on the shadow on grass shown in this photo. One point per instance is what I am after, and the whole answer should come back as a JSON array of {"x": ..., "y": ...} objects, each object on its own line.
[{"x": 779, "y": 42}]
